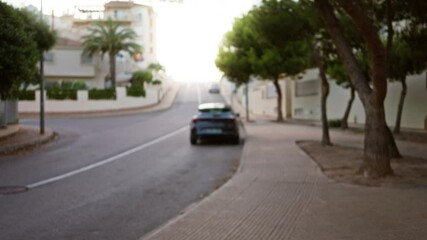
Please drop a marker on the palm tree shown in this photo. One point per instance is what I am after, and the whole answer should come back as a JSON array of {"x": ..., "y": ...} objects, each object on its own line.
[{"x": 109, "y": 37}]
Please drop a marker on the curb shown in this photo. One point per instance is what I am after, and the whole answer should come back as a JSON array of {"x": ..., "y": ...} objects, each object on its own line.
[
  {"x": 47, "y": 137},
  {"x": 9, "y": 130}
]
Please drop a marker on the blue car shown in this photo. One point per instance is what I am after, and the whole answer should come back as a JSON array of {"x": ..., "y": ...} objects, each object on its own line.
[{"x": 215, "y": 121}]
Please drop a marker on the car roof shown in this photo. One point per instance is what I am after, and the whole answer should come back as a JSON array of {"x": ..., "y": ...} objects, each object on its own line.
[{"x": 213, "y": 105}]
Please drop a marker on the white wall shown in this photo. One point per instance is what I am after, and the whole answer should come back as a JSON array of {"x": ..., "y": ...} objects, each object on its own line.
[
  {"x": 414, "y": 112},
  {"x": 308, "y": 107}
]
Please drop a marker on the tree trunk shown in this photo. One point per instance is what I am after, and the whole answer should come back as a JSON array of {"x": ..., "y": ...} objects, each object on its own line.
[
  {"x": 113, "y": 70},
  {"x": 326, "y": 140},
  {"x": 393, "y": 151},
  {"x": 400, "y": 106},
  {"x": 279, "y": 100},
  {"x": 344, "y": 120},
  {"x": 376, "y": 161}
]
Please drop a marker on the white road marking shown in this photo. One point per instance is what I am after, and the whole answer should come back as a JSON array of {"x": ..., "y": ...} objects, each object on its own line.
[{"x": 105, "y": 161}]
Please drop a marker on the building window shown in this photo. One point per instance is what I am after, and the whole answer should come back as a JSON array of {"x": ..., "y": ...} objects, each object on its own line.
[
  {"x": 116, "y": 14},
  {"x": 138, "y": 16},
  {"x": 307, "y": 88},
  {"x": 48, "y": 57},
  {"x": 86, "y": 59}
]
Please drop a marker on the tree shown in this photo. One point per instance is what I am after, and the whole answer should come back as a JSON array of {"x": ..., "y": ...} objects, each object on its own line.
[
  {"x": 43, "y": 36},
  {"x": 234, "y": 62},
  {"x": 18, "y": 50},
  {"x": 278, "y": 27},
  {"x": 376, "y": 153},
  {"x": 110, "y": 38},
  {"x": 315, "y": 34}
]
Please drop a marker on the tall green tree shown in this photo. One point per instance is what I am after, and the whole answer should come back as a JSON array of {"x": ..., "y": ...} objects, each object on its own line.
[
  {"x": 18, "y": 50},
  {"x": 376, "y": 152},
  {"x": 233, "y": 61},
  {"x": 315, "y": 34},
  {"x": 110, "y": 38},
  {"x": 42, "y": 34},
  {"x": 280, "y": 30}
]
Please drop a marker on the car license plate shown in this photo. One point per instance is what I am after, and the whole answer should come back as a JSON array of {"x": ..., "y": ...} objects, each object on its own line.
[{"x": 213, "y": 130}]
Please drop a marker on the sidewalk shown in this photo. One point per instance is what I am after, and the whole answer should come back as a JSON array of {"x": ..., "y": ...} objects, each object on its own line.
[
  {"x": 17, "y": 136},
  {"x": 280, "y": 193}
]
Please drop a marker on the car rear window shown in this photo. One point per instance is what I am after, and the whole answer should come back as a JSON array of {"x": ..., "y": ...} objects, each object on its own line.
[{"x": 215, "y": 110}]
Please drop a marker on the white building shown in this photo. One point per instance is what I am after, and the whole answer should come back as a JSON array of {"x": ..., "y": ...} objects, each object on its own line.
[{"x": 65, "y": 61}]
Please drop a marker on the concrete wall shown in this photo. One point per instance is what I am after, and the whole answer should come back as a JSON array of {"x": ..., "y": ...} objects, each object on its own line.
[
  {"x": 153, "y": 95},
  {"x": 414, "y": 112},
  {"x": 306, "y": 105}
]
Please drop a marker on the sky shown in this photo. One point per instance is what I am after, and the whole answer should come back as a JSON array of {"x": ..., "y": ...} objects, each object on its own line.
[{"x": 188, "y": 34}]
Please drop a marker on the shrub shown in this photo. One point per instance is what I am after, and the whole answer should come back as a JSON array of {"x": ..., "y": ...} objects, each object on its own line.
[
  {"x": 61, "y": 94},
  {"x": 135, "y": 91},
  {"x": 96, "y": 94},
  {"x": 334, "y": 123},
  {"x": 29, "y": 95},
  {"x": 156, "y": 82},
  {"x": 141, "y": 77}
]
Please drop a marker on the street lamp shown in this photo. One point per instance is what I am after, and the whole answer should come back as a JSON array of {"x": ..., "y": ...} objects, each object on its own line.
[{"x": 41, "y": 79}]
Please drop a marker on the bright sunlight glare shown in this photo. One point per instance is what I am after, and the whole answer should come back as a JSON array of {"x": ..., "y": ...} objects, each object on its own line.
[{"x": 188, "y": 34}]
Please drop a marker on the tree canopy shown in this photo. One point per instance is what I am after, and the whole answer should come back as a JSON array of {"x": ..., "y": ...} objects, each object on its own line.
[
  {"x": 22, "y": 38},
  {"x": 110, "y": 38},
  {"x": 266, "y": 42}
]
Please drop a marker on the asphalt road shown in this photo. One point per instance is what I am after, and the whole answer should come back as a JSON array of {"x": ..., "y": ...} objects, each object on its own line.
[{"x": 113, "y": 177}]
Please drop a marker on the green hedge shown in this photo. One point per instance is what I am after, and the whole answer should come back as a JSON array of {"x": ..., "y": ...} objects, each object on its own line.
[
  {"x": 29, "y": 95},
  {"x": 61, "y": 94},
  {"x": 97, "y": 94},
  {"x": 135, "y": 91},
  {"x": 334, "y": 123},
  {"x": 157, "y": 82}
]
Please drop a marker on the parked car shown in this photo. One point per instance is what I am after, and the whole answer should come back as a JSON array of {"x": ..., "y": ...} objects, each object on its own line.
[
  {"x": 214, "y": 88},
  {"x": 215, "y": 121}
]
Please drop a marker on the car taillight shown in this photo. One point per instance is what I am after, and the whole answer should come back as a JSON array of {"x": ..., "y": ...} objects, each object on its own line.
[{"x": 194, "y": 120}]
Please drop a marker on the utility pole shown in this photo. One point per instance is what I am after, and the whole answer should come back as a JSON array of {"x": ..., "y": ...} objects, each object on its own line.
[{"x": 41, "y": 79}]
